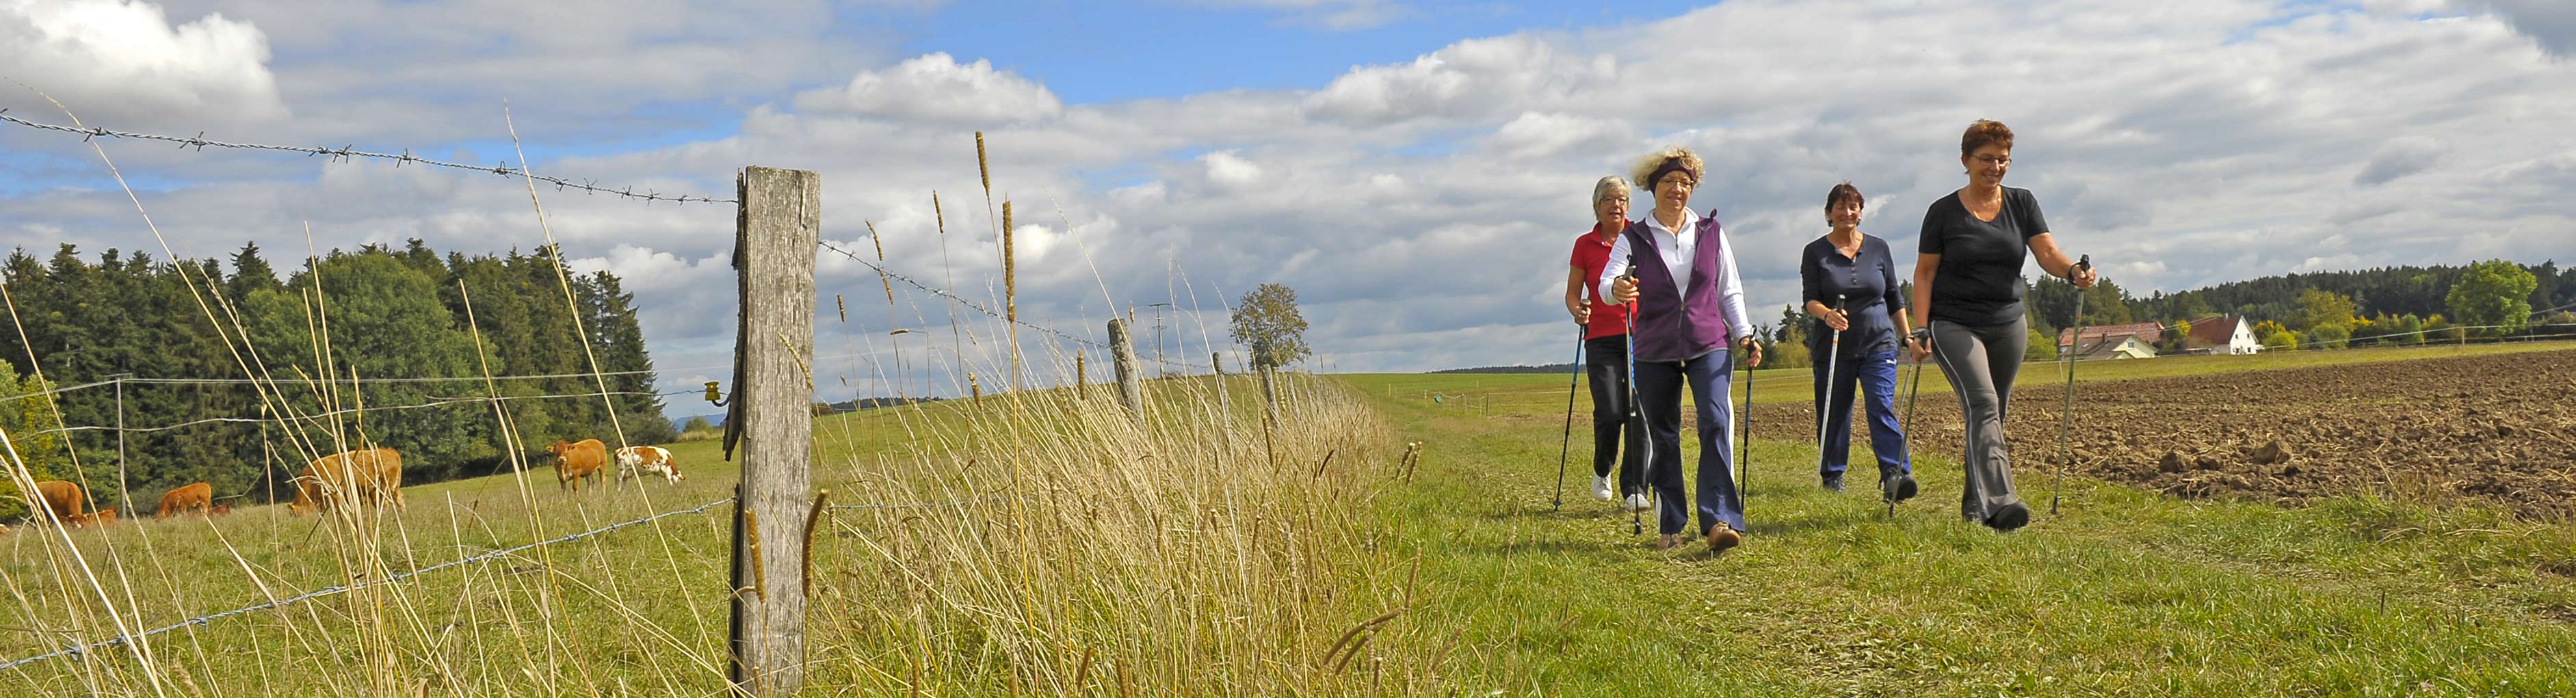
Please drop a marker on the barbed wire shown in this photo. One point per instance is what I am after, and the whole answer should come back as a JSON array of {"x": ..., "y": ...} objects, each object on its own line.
[
  {"x": 76, "y": 650},
  {"x": 961, "y": 300},
  {"x": 350, "y": 152},
  {"x": 980, "y": 308}
]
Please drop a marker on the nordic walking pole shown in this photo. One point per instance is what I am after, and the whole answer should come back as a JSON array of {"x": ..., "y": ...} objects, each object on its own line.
[
  {"x": 1568, "y": 447},
  {"x": 1833, "y": 357},
  {"x": 1744, "y": 454},
  {"x": 1908, "y": 439},
  {"x": 1646, "y": 469},
  {"x": 2073, "y": 347}
]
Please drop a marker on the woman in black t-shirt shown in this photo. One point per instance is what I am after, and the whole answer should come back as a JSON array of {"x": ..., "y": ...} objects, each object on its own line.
[{"x": 1967, "y": 299}]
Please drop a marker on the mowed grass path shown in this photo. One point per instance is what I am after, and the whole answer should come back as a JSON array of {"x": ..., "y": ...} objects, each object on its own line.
[{"x": 2124, "y": 593}]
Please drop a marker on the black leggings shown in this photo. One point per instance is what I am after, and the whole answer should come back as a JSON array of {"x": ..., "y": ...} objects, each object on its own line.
[
  {"x": 1605, "y": 367},
  {"x": 1981, "y": 362}
]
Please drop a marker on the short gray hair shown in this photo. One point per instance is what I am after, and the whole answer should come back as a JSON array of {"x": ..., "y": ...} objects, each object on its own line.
[{"x": 1602, "y": 190}]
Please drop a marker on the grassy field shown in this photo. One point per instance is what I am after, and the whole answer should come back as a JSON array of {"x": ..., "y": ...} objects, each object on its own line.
[
  {"x": 2125, "y": 593},
  {"x": 1204, "y": 554}
]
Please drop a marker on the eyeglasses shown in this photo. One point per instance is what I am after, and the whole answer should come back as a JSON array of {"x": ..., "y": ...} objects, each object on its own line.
[{"x": 1992, "y": 160}]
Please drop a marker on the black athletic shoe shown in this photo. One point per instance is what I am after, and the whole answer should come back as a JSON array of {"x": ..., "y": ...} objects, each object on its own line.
[
  {"x": 2011, "y": 516},
  {"x": 1834, "y": 482},
  {"x": 1898, "y": 488}
]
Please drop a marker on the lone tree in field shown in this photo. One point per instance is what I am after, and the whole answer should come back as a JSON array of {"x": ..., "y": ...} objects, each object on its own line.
[
  {"x": 2494, "y": 293},
  {"x": 1267, "y": 321}
]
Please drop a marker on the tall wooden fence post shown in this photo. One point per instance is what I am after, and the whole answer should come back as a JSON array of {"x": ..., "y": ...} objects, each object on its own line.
[
  {"x": 779, "y": 226},
  {"x": 1122, "y": 353}
]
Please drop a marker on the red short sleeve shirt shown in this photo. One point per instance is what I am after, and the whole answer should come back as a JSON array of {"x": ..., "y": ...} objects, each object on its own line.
[{"x": 1591, "y": 253}]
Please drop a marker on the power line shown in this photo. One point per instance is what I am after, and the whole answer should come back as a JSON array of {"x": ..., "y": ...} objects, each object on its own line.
[{"x": 349, "y": 152}]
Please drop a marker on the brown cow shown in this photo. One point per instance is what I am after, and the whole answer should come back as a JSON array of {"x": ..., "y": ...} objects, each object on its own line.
[
  {"x": 575, "y": 461},
  {"x": 102, "y": 518},
  {"x": 180, "y": 500},
  {"x": 370, "y": 476},
  {"x": 65, "y": 499},
  {"x": 220, "y": 508}
]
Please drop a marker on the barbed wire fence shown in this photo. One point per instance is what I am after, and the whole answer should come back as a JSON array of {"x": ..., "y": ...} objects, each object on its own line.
[{"x": 350, "y": 152}]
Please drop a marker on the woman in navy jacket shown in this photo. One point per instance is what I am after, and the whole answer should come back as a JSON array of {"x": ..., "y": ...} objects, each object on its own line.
[{"x": 1850, "y": 282}]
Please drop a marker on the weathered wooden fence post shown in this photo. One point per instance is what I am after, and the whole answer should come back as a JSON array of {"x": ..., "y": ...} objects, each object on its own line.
[
  {"x": 779, "y": 225},
  {"x": 1122, "y": 353}
]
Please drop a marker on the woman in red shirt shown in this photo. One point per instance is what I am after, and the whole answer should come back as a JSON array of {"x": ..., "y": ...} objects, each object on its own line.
[{"x": 1605, "y": 343}]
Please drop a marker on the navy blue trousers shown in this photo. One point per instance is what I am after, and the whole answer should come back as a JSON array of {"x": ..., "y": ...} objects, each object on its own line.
[
  {"x": 1659, "y": 392},
  {"x": 1874, "y": 376}
]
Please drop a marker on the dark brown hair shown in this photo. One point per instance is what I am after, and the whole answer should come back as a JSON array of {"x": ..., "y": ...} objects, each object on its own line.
[
  {"x": 1983, "y": 133},
  {"x": 1842, "y": 192}
]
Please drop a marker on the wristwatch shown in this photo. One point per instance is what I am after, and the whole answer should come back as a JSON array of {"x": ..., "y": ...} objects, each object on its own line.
[{"x": 1922, "y": 334}]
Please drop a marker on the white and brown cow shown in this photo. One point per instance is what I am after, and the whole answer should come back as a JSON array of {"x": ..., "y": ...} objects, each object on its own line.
[{"x": 635, "y": 461}]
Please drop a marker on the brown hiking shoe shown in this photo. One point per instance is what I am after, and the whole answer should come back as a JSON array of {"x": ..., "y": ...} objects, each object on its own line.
[{"x": 1721, "y": 537}]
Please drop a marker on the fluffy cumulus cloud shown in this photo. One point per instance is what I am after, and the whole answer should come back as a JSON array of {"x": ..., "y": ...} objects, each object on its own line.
[
  {"x": 1423, "y": 209},
  {"x": 937, "y": 87},
  {"x": 131, "y": 59}
]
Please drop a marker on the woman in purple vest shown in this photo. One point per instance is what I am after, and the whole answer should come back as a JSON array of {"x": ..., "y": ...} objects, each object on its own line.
[
  {"x": 1967, "y": 300},
  {"x": 1690, "y": 310}
]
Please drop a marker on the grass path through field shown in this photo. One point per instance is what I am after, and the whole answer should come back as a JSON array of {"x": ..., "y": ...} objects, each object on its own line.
[{"x": 2125, "y": 593}]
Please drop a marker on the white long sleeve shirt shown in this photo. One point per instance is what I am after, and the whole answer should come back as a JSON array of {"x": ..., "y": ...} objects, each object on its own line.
[{"x": 1679, "y": 257}]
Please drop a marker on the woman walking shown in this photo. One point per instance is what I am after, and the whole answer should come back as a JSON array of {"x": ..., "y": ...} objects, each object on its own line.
[
  {"x": 1690, "y": 310},
  {"x": 1856, "y": 268},
  {"x": 1605, "y": 344},
  {"x": 1967, "y": 299}
]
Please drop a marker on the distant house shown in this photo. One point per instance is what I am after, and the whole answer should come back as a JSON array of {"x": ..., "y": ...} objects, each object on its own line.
[
  {"x": 2131, "y": 341},
  {"x": 2223, "y": 334}
]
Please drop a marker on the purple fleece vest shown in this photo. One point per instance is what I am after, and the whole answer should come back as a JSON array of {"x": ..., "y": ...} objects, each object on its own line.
[{"x": 1668, "y": 328}]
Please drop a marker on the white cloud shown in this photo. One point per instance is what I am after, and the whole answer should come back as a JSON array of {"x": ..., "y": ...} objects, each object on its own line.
[
  {"x": 1337, "y": 15},
  {"x": 1423, "y": 208},
  {"x": 2550, "y": 22},
  {"x": 124, "y": 61},
  {"x": 935, "y": 86},
  {"x": 1227, "y": 169}
]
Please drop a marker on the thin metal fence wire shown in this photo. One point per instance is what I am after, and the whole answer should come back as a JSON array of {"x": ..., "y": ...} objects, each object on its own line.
[
  {"x": 349, "y": 152},
  {"x": 441, "y": 402},
  {"x": 318, "y": 593},
  {"x": 971, "y": 305}
]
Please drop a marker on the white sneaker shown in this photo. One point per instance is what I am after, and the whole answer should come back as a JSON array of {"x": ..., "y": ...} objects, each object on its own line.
[
  {"x": 1637, "y": 502},
  {"x": 1601, "y": 488}
]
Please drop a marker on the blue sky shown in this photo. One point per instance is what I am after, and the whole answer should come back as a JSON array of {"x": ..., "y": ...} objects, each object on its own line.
[{"x": 1414, "y": 169}]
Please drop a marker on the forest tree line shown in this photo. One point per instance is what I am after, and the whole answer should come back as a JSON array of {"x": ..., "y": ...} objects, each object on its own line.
[{"x": 376, "y": 313}]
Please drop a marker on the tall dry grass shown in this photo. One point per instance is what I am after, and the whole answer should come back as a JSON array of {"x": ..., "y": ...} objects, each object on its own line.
[{"x": 1196, "y": 551}]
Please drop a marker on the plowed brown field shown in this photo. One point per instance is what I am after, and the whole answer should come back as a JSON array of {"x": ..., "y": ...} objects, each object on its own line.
[{"x": 2500, "y": 429}]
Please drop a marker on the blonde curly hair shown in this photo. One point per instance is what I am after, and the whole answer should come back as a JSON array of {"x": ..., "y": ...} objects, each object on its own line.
[{"x": 1643, "y": 173}]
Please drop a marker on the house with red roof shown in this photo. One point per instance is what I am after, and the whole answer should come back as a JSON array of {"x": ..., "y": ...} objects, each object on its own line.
[{"x": 2130, "y": 341}]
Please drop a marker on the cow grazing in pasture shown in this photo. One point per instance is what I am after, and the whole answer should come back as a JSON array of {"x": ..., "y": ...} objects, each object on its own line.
[
  {"x": 102, "y": 518},
  {"x": 64, "y": 499},
  {"x": 637, "y": 461},
  {"x": 369, "y": 476},
  {"x": 574, "y": 461},
  {"x": 220, "y": 508},
  {"x": 180, "y": 500}
]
